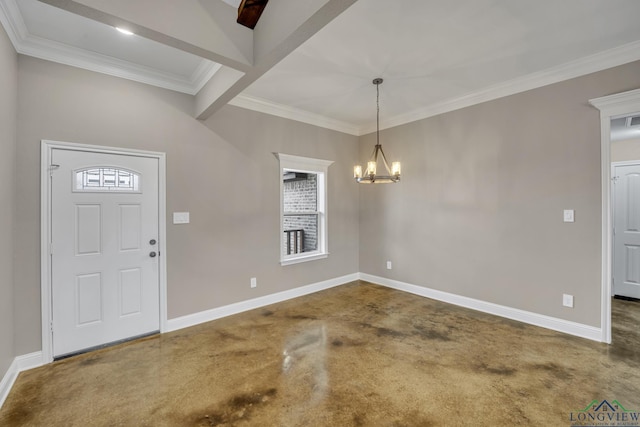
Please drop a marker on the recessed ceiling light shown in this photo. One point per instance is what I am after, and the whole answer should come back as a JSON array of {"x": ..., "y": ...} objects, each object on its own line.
[{"x": 123, "y": 31}]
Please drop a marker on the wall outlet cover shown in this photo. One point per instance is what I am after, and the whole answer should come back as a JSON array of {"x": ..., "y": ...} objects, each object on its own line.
[
  {"x": 569, "y": 215},
  {"x": 567, "y": 300}
]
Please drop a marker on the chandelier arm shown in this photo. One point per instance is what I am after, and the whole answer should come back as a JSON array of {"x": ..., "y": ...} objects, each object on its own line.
[{"x": 384, "y": 160}]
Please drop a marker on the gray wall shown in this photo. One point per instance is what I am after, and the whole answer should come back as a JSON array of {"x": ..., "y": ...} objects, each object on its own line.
[
  {"x": 8, "y": 105},
  {"x": 479, "y": 209},
  {"x": 478, "y": 213},
  {"x": 626, "y": 150},
  {"x": 222, "y": 171}
]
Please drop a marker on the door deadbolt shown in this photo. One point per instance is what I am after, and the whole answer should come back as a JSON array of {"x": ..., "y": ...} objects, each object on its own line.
[
  {"x": 152, "y": 254},
  {"x": 152, "y": 241}
]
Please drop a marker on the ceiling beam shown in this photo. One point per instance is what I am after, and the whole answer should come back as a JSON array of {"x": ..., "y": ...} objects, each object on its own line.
[
  {"x": 202, "y": 27},
  {"x": 207, "y": 28},
  {"x": 249, "y": 12},
  {"x": 284, "y": 26}
]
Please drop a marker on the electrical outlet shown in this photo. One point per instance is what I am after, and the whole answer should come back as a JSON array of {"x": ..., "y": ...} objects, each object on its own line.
[
  {"x": 389, "y": 265},
  {"x": 569, "y": 215},
  {"x": 254, "y": 282},
  {"x": 567, "y": 300}
]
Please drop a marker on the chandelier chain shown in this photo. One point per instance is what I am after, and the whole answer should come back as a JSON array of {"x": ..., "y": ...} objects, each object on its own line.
[{"x": 378, "y": 113}]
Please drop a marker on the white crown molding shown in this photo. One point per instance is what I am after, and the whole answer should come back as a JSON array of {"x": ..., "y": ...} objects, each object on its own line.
[
  {"x": 292, "y": 113},
  {"x": 12, "y": 21},
  {"x": 203, "y": 73},
  {"x": 590, "y": 64},
  {"x": 28, "y": 44},
  {"x": 587, "y": 65}
]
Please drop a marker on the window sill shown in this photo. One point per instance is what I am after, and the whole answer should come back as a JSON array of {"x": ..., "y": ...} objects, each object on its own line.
[{"x": 304, "y": 258}]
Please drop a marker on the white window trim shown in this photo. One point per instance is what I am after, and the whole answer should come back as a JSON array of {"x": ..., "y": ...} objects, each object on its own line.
[{"x": 321, "y": 167}]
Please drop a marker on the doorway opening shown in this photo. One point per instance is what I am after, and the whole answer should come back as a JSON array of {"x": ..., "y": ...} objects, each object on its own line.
[{"x": 611, "y": 107}]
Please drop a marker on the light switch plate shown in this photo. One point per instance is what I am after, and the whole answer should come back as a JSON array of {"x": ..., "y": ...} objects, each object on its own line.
[
  {"x": 567, "y": 300},
  {"x": 181, "y": 217},
  {"x": 569, "y": 215}
]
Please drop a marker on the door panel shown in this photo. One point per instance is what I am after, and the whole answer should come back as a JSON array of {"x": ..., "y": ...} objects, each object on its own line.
[
  {"x": 626, "y": 238},
  {"x": 88, "y": 303},
  {"x": 130, "y": 291},
  {"x": 88, "y": 229},
  {"x": 105, "y": 286},
  {"x": 130, "y": 227}
]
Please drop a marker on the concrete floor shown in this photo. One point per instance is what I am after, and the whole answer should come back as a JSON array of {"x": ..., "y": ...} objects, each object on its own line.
[{"x": 356, "y": 355}]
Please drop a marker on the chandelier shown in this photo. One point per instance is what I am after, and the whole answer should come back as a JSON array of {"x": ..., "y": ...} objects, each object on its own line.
[{"x": 370, "y": 175}]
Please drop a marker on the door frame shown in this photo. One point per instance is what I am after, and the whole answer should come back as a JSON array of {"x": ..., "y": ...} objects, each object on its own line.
[
  {"x": 610, "y": 106},
  {"x": 46, "y": 150}
]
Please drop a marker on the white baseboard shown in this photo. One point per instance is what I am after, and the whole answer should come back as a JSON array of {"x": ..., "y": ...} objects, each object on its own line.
[
  {"x": 239, "y": 307},
  {"x": 29, "y": 361},
  {"x": 19, "y": 364},
  {"x": 33, "y": 360},
  {"x": 7, "y": 381},
  {"x": 553, "y": 323}
]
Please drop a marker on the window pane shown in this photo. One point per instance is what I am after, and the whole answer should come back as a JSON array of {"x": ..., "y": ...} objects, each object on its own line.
[
  {"x": 300, "y": 221},
  {"x": 300, "y": 191},
  {"x": 106, "y": 179},
  {"x": 300, "y": 233}
]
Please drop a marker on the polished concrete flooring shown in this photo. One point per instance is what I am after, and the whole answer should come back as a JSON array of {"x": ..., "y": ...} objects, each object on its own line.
[{"x": 356, "y": 355}]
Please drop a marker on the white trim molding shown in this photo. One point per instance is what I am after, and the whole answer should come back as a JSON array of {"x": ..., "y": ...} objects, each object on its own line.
[
  {"x": 19, "y": 364},
  {"x": 610, "y": 107},
  {"x": 280, "y": 110},
  {"x": 600, "y": 61},
  {"x": 28, "y": 44},
  {"x": 321, "y": 169},
  {"x": 239, "y": 307},
  {"x": 560, "y": 325},
  {"x": 34, "y": 360},
  {"x": 7, "y": 381},
  {"x": 45, "y": 226}
]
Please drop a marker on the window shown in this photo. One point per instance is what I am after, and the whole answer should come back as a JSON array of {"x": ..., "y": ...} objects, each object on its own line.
[
  {"x": 303, "y": 202},
  {"x": 106, "y": 179}
]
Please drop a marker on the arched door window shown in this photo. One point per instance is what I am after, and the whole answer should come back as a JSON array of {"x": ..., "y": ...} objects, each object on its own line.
[{"x": 98, "y": 179}]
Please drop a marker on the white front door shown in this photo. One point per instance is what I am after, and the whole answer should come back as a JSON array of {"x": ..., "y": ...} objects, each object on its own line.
[
  {"x": 104, "y": 262},
  {"x": 626, "y": 231}
]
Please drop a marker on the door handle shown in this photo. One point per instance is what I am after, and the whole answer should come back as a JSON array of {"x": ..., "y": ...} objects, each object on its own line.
[
  {"x": 152, "y": 254},
  {"x": 152, "y": 241}
]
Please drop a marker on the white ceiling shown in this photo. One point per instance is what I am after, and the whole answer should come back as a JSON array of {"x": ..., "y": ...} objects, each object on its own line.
[
  {"x": 434, "y": 55},
  {"x": 40, "y": 30}
]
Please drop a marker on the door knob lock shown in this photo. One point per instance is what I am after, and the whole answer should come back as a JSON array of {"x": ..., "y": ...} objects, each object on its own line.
[
  {"x": 152, "y": 241},
  {"x": 152, "y": 254}
]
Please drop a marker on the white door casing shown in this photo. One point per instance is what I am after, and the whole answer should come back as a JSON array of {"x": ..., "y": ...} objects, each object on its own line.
[
  {"x": 103, "y": 285},
  {"x": 626, "y": 230},
  {"x": 610, "y": 106}
]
